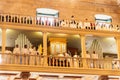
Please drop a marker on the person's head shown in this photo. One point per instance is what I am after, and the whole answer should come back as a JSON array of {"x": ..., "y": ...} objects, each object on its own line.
[
  {"x": 93, "y": 52},
  {"x": 16, "y": 46},
  {"x": 87, "y": 52},
  {"x": 65, "y": 53},
  {"x": 86, "y": 19},
  {"x": 115, "y": 62},
  {"x": 72, "y": 16},
  {"x": 32, "y": 46},
  {"x": 25, "y": 46},
  {"x": 75, "y": 52}
]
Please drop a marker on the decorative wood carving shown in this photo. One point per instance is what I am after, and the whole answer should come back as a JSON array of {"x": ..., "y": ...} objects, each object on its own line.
[
  {"x": 103, "y": 77},
  {"x": 25, "y": 75}
]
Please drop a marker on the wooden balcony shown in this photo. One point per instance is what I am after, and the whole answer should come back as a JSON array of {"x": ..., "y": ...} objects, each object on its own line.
[
  {"x": 55, "y": 64},
  {"x": 13, "y": 21}
]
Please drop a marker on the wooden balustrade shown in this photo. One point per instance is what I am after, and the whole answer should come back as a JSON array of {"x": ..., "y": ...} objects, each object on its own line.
[
  {"x": 54, "y": 61},
  {"x": 21, "y": 59},
  {"x": 13, "y": 18}
]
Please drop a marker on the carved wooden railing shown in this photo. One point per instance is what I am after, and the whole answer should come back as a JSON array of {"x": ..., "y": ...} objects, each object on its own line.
[
  {"x": 55, "y": 61},
  {"x": 30, "y": 20}
]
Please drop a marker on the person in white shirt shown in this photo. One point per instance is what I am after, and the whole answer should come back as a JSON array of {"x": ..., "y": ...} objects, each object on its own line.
[
  {"x": 25, "y": 53},
  {"x": 116, "y": 64},
  {"x": 80, "y": 25},
  {"x": 7, "y": 57},
  {"x": 31, "y": 50},
  {"x": 16, "y": 52},
  {"x": 68, "y": 59},
  {"x": 88, "y": 59},
  {"x": 95, "y": 59},
  {"x": 32, "y": 53},
  {"x": 63, "y": 23},
  {"x": 94, "y": 55},
  {"x": 60, "y": 59},
  {"x": 25, "y": 50},
  {"x": 72, "y": 22},
  {"x": 8, "y": 51},
  {"x": 60, "y": 56},
  {"x": 76, "y": 60},
  {"x": 87, "y": 54},
  {"x": 86, "y": 24}
]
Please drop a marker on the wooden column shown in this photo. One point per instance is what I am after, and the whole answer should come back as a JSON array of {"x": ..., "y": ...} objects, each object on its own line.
[
  {"x": 45, "y": 47},
  {"x": 83, "y": 48},
  {"x": 3, "y": 40},
  {"x": 118, "y": 46}
]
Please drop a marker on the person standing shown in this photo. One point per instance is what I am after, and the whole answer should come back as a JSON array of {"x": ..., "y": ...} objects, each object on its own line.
[
  {"x": 60, "y": 59},
  {"x": 88, "y": 59},
  {"x": 7, "y": 57},
  {"x": 95, "y": 59},
  {"x": 76, "y": 60},
  {"x": 72, "y": 22},
  {"x": 25, "y": 54},
  {"x": 16, "y": 52},
  {"x": 32, "y": 53},
  {"x": 87, "y": 54},
  {"x": 68, "y": 59}
]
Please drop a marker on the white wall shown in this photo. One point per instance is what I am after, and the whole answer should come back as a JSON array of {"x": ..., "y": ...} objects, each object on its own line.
[{"x": 108, "y": 43}]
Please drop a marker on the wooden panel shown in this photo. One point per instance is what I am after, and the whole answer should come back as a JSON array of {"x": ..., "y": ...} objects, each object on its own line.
[
  {"x": 79, "y": 8},
  {"x": 59, "y": 70}
]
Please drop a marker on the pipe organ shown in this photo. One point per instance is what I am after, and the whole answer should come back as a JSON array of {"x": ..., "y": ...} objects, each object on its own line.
[
  {"x": 22, "y": 40},
  {"x": 57, "y": 45}
]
